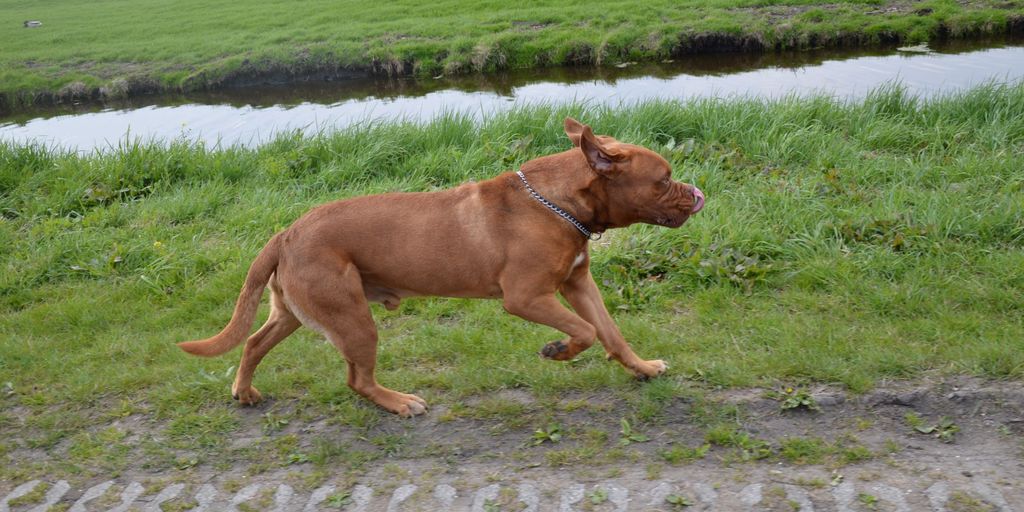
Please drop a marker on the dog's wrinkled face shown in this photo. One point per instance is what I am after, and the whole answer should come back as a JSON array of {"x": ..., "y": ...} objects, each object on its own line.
[{"x": 637, "y": 182}]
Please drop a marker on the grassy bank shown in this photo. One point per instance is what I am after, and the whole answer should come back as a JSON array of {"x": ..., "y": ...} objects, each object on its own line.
[
  {"x": 842, "y": 243},
  {"x": 114, "y": 48}
]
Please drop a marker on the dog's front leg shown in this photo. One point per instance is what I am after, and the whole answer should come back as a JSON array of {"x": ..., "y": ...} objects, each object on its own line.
[
  {"x": 544, "y": 308},
  {"x": 582, "y": 293}
]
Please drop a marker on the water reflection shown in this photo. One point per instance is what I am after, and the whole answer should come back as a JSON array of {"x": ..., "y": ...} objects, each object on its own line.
[{"x": 251, "y": 115}]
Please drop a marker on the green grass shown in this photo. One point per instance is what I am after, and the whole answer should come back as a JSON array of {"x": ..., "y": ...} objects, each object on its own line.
[
  {"x": 678, "y": 454},
  {"x": 32, "y": 497},
  {"x": 804, "y": 450},
  {"x": 842, "y": 243},
  {"x": 113, "y": 48}
]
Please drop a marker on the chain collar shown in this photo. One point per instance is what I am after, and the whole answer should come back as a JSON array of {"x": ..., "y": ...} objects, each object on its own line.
[{"x": 561, "y": 213}]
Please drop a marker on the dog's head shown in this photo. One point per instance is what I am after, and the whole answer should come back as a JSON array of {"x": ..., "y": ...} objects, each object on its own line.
[{"x": 636, "y": 182}]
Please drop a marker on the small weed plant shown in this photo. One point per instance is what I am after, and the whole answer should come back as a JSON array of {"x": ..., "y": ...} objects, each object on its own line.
[
  {"x": 796, "y": 398},
  {"x": 945, "y": 430},
  {"x": 630, "y": 436},
  {"x": 550, "y": 434}
]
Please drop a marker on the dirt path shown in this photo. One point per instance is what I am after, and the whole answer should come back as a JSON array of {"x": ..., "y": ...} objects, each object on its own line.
[{"x": 953, "y": 445}]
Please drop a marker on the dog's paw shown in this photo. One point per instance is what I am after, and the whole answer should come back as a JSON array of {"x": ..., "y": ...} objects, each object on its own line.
[
  {"x": 402, "y": 404},
  {"x": 410, "y": 405},
  {"x": 249, "y": 396},
  {"x": 556, "y": 350},
  {"x": 649, "y": 369}
]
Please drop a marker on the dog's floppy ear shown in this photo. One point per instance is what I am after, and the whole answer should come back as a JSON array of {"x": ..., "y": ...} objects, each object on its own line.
[
  {"x": 573, "y": 129},
  {"x": 602, "y": 159}
]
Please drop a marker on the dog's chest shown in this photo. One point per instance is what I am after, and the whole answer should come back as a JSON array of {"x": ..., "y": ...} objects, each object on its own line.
[{"x": 578, "y": 261}]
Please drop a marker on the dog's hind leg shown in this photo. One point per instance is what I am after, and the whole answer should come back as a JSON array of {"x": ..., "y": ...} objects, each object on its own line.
[
  {"x": 278, "y": 326},
  {"x": 331, "y": 299}
]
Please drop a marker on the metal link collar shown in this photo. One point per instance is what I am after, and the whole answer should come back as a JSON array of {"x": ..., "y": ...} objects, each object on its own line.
[{"x": 561, "y": 213}]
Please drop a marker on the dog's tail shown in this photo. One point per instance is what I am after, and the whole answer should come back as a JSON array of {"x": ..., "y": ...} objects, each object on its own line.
[{"x": 245, "y": 309}]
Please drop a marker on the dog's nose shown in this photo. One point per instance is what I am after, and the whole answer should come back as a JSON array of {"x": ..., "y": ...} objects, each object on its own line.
[{"x": 698, "y": 200}]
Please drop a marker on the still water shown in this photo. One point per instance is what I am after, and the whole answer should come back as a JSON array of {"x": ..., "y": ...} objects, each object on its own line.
[{"x": 249, "y": 116}]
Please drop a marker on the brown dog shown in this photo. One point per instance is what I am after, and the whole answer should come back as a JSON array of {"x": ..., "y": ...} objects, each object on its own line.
[{"x": 493, "y": 239}]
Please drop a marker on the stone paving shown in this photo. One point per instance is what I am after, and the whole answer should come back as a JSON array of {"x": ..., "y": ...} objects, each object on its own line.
[{"x": 534, "y": 496}]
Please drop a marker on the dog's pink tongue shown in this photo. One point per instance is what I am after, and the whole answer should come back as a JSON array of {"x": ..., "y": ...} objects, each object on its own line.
[{"x": 698, "y": 200}]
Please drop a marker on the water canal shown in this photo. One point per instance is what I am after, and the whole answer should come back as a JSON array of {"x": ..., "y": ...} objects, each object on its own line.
[{"x": 251, "y": 115}]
